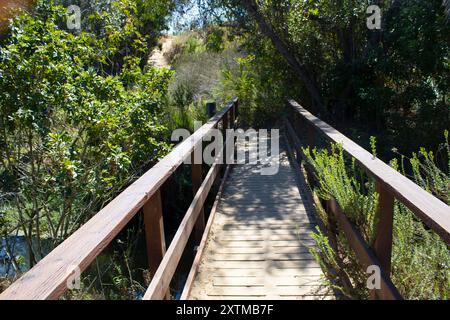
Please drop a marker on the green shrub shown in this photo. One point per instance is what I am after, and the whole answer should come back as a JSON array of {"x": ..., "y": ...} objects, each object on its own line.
[
  {"x": 427, "y": 173},
  {"x": 72, "y": 135},
  {"x": 193, "y": 45},
  {"x": 215, "y": 40},
  {"x": 239, "y": 80},
  {"x": 420, "y": 259}
]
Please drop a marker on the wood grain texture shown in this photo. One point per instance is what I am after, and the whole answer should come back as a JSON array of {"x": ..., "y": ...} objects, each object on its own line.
[
  {"x": 384, "y": 228},
  {"x": 259, "y": 244},
  {"x": 364, "y": 254},
  {"x": 161, "y": 281},
  {"x": 47, "y": 279},
  {"x": 154, "y": 231}
]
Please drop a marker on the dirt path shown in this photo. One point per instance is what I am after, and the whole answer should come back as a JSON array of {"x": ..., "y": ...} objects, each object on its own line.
[{"x": 157, "y": 57}]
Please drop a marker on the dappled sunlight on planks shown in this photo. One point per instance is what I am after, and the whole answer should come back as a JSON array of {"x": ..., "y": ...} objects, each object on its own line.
[{"x": 259, "y": 244}]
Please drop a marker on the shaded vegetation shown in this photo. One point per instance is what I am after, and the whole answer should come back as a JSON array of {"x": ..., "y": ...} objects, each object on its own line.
[
  {"x": 420, "y": 259},
  {"x": 390, "y": 83}
]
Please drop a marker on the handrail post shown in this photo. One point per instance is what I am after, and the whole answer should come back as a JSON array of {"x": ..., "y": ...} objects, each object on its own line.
[
  {"x": 236, "y": 109},
  {"x": 384, "y": 230},
  {"x": 311, "y": 136},
  {"x": 296, "y": 126},
  {"x": 225, "y": 125},
  {"x": 154, "y": 233},
  {"x": 298, "y": 155},
  {"x": 297, "y": 121},
  {"x": 233, "y": 115},
  {"x": 197, "y": 180}
]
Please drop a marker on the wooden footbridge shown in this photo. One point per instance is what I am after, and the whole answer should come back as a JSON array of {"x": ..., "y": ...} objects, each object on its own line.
[{"x": 255, "y": 243}]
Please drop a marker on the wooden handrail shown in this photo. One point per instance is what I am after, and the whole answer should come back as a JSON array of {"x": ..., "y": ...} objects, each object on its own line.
[
  {"x": 433, "y": 212},
  {"x": 163, "y": 275},
  {"x": 390, "y": 185},
  {"x": 48, "y": 278},
  {"x": 365, "y": 255},
  {"x": 161, "y": 280}
]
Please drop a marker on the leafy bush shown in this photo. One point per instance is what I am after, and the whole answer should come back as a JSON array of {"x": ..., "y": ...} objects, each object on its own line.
[
  {"x": 185, "y": 44},
  {"x": 215, "y": 40},
  {"x": 240, "y": 81},
  {"x": 428, "y": 175},
  {"x": 193, "y": 45},
  {"x": 196, "y": 80},
  {"x": 420, "y": 259},
  {"x": 71, "y": 134}
]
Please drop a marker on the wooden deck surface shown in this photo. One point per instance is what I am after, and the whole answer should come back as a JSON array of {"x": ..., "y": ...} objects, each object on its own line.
[{"x": 258, "y": 247}]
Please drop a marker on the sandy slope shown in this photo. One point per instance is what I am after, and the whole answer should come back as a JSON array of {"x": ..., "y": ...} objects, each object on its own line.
[{"x": 157, "y": 57}]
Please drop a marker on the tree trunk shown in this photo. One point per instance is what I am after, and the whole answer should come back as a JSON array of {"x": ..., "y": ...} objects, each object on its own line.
[{"x": 299, "y": 69}]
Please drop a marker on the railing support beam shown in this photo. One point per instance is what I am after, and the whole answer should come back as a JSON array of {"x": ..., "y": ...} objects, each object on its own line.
[
  {"x": 233, "y": 117},
  {"x": 197, "y": 180},
  {"x": 384, "y": 230},
  {"x": 225, "y": 123},
  {"x": 383, "y": 240},
  {"x": 311, "y": 136},
  {"x": 154, "y": 232}
]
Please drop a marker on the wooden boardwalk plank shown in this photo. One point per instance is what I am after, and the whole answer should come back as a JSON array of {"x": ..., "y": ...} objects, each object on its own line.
[
  {"x": 258, "y": 272},
  {"x": 258, "y": 247}
]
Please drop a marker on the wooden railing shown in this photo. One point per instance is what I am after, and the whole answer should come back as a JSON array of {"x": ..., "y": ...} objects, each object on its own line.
[
  {"x": 390, "y": 185},
  {"x": 49, "y": 277}
]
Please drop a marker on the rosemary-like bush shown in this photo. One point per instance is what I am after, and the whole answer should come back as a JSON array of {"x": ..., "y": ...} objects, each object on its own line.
[{"x": 420, "y": 259}]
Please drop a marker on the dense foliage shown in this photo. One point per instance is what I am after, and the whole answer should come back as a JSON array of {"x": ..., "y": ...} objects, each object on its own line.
[
  {"x": 75, "y": 128},
  {"x": 391, "y": 83},
  {"x": 420, "y": 259}
]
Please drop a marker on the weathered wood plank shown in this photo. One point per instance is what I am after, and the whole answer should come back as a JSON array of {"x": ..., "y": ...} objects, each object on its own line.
[
  {"x": 262, "y": 291},
  {"x": 305, "y": 272},
  {"x": 262, "y": 257},
  {"x": 260, "y": 240},
  {"x": 268, "y": 238},
  {"x": 154, "y": 231},
  {"x": 298, "y": 243},
  {"x": 274, "y": 232},
  {"x": 269, "y": 221},
  {"x": 260, "y": 281},
  {"x": 161, "y": 281},
  {"x": 268, "y": 264},
  {"x": 243, "y": 250},
  {"x": 260, "y": 226}
]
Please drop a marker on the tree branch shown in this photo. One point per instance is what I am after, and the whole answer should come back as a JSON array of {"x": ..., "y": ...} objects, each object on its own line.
[{"x": 299, "y": 69}]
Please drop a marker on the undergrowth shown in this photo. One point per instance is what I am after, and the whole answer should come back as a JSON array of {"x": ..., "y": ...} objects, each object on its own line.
[{"x": 420, "y": 258}]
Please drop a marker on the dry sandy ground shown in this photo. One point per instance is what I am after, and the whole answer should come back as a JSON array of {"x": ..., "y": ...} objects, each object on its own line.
[{"x": 157, "y": 57}]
